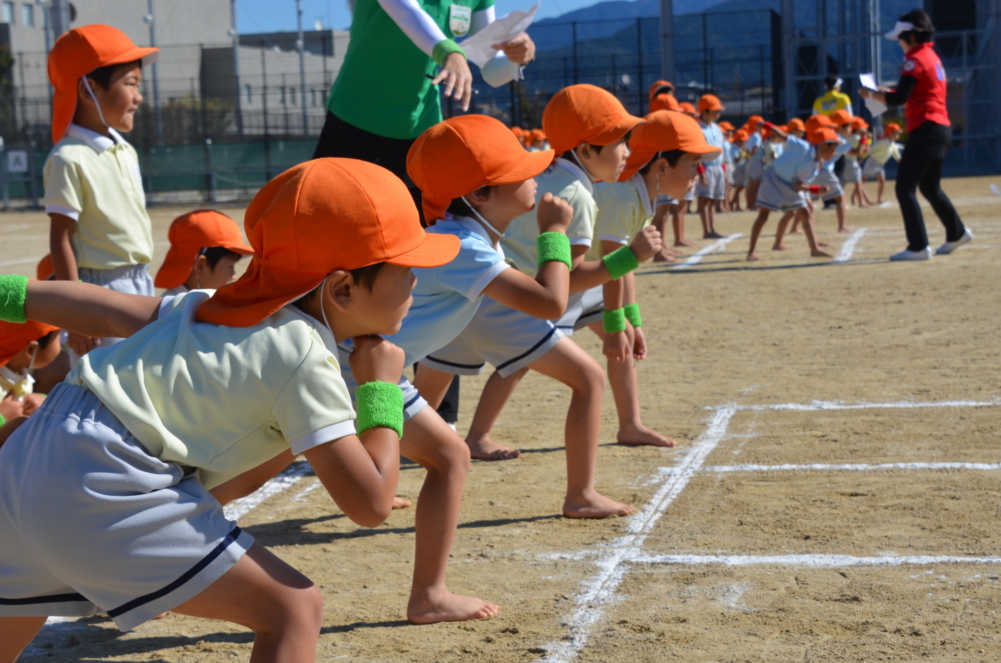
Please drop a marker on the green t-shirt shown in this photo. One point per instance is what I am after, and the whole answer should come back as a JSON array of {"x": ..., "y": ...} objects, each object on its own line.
[{"x": 381, "y": 87}]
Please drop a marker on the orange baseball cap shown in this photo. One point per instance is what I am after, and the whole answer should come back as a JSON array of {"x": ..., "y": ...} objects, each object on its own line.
[
  {"x": 46, "y": 268},
  {"x": 661, "y": 87},
  {"x": 465, "y": 153},
  {"x": 686, "y": 107},
  {"x": 518, "y": 131},
  {"x": 755, "y": 120},
  {"x": 815, "y": 122},
  {"x": 79, "y": 52},
  {"x": 664, "y": 101},
  {"x": 796, "y": 124},
  {"x": 664, "y": 131},
  {"x": 891, "y": 127},
  {"x": 859, "y": 123},
  {"x": 741, "y": 134},
  {"x": 316, "y": 218},
  {"x": 822, "y": 135},
  {"x": 14, "y": 337},
  {"x": 726, "y": 126},
  {"x": 537, "y": 134},
  {"x": 585, "y": 114},
  {"x": 188, "y": 235},
  {"x": 841, "y": 117},
  {"x": 710, "y": 102}
]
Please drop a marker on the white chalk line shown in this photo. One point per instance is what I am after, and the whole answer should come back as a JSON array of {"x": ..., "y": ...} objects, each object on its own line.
[
  {"x": 852, "y": 467},
  {"x": 814, "y": 406},
  {"x": 600, "y": 589},
  {"x": 824, "y": 561},
  {"x": 848, "y": 248},
  {"x": 696, "y": 257}
]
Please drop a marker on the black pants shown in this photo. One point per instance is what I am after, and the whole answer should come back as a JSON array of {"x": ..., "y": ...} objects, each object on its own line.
[
  {"x": 340, "y": 139},
  {"x": 921, "y": 167}
]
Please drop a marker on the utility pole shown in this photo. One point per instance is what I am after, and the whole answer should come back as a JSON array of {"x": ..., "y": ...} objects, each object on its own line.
[
  {"x": 60, "y": 13},
  {"x": 150, "y": 19},
  {"x": 667, "y": 39},
  {"x": 301, "y": 43},
  {"x": 235, "y": 34}
]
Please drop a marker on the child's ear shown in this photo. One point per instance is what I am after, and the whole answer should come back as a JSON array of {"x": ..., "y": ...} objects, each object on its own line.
[
  {"x": 81, "y": 91},
  {"x": 479, "y": 196},
  {"x": 340, "y": 288}
]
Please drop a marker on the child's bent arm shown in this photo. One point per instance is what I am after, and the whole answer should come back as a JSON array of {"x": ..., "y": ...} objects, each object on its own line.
[
  {"x": 543, "y": 297},
  {"x": 592, "y": 273},
  {"x": 61, "y": 232},
  {"x": 89, "y": 309},
  {"x": 360, "y": 473}
]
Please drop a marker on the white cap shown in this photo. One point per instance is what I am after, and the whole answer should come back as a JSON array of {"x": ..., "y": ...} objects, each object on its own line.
[{"x": 900, "y": 27}]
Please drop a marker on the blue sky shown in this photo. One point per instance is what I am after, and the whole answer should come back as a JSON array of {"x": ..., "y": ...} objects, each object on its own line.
[{"x": 277, "y": 15}]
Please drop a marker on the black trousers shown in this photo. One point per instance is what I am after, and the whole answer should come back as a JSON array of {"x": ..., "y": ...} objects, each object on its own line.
[
  {"x": 921, "y": 168},
  {"x": 340, "y": 139}
]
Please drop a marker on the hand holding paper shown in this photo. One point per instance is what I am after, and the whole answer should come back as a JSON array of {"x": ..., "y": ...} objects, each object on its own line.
[
  {"x": 874, "y": 106},
  {"x": 480, "y": 47}
]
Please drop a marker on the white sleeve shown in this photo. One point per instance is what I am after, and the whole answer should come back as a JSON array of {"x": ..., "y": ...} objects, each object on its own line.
[
  {"x": 499, "y": 71},
  {"x": 415, "y": 23}
]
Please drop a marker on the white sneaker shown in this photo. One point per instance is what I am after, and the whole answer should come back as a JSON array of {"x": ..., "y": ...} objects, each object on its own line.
[
  {"x": 907, "y": 254},
  {"x": 949, "y": 247}
]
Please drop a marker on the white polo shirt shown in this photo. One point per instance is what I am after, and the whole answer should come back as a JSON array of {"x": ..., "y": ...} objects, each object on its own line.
[
  {"x": 222, "y": 399},
  {"x": 95, "y": 181},
  {"x": 624, "y": 209},
  {"x": 566, "y": 180},
  {"x": 884, "y": 149}
]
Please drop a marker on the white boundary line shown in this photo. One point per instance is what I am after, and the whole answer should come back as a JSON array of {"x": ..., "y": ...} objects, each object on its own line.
[
  {"x": 696, "y": 257},
  {"x": 848, "y": 248},
  {"x": 288, "y": 478},
  {"x": 858, "y": 467},
  {"x": 827, "y": 561},
  {"x": 814, "y": 406},
  {"x": 599, "y": 590}
]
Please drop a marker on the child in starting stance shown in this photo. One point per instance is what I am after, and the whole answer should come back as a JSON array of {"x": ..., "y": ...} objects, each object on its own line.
[
  {"x": 205, "y": 246},
  {"x": 883, "y": 150}
]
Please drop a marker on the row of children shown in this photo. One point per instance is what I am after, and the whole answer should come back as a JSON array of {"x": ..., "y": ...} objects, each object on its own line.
[
  {"x": 196, "y": 397},
  {"x": 534, "y": 140}
]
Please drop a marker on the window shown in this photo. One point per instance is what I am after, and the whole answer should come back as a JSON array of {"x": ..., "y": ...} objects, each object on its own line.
[
  {"x": 247, "y": 94},
  {"x": 28, "y": 15},
  {"x": 8, "y": 13}
]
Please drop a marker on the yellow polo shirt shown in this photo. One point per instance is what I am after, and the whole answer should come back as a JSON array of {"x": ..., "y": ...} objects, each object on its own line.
[
  {"x": 222, "y": 399},
  {"x": 95, "y": 180},
  {"x": 565, "y": 180},
  {"x": 624, "y": 209},
  {"x": 831, "y": 101}
]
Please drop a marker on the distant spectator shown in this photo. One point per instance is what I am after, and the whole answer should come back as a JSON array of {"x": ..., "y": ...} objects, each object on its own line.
[{"x": 832, "y": 100}]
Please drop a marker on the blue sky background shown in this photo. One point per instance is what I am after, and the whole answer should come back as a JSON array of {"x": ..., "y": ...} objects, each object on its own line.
[{"x": 277, "y": 15}]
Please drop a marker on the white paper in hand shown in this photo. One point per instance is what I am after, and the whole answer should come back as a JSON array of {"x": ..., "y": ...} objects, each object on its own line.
[
  {"x": 874, "y": 106},
  {"x": 478, "y": 47}
]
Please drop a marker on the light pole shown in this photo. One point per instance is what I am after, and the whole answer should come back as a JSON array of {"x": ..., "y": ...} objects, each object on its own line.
[
  {"x": 150, "y": 19},
  {"x": 666, "y": 39},
  {"x": 301, "y": 44},
  {"x": 234, "y": 32}
]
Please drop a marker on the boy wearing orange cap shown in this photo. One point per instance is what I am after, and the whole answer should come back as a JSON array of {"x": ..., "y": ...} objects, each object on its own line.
[
  {"x": 711, "y": 186},
  {"x": 23, "y": 349},
  {"x": 796, "y": 128},
  {"x": 755, "y": 167},
  {"x": 110, "y": 479},
  {"x": 100, "y": 231},
  {"x": 852, "y": 174},
  {"x": 842, "y": 124},
  {"x": 665, "y": 153},
  {"x": 661, "y": 96},
  {"x": 883, "y": 150},
  {"x": 785, "y": 185},
  {"x": 205, "y": 246}
]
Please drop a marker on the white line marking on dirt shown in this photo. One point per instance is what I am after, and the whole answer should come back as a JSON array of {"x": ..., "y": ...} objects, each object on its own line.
[
  {"x": 599, "y": 590},
  {"x": 696, "y": 257},
  {"x": 814, "y": 406},
  {"x": 811, "y": 560},
  {"x": 288, "y": 478},
  {"x": 849, "y": 246},
  {"x": 989, "y": 467}
]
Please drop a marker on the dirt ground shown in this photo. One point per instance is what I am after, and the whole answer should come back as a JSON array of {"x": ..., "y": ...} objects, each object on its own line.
[{"x": 834, "y": 496}]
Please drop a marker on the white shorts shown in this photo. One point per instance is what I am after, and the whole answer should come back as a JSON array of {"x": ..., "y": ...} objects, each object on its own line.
[
  {"x": 412, "y": 400},
  {"x": 777, "y": 195},
  {"x": 90, "y": 521},
  {"x": 663, "y": 199},
  {"x": 740, "y": 175},
  {"x": 829, "y": 179},
  {"x": 499, "y": 335},
  {"x": 582, "y": 309},
  {"x": 715, "y": 187},
  {"x": 852, "y": 172},
  {"x": 754, "y": 170},
  {"x": 129, "y": 280},
  {"x": 872, "y": 169}
]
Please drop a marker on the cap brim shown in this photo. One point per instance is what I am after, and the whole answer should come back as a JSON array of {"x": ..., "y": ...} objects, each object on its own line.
[
  {"x": 146, "y": 55},
  {"x": 176, "y": 266},
  {"x": 531, "y": 166},
  {"x": 434, "y": 251},
  {"x": 625, "y": 124},
  {"x": 242, "y": 249}
]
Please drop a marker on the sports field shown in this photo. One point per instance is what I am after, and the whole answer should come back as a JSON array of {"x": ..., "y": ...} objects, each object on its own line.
[{"x": 835, "y": 494}]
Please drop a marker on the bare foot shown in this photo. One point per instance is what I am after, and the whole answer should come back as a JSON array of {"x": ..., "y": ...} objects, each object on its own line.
[
  {"x": 664, "y": 256},
  {"x": 879, "y": 202},
  {"x": 820, "y": 254},
  {"x": 752, "y": 208},
  {"x": 685, "y": 242},
  {"x": 795, "y": 231},
  {"x": 824, "y": 244},
  {"x": 400, "y": 503},
  {"x": 713, "y": 235},
  {"x": 444, "y": 606},
  {"x": 641, "y": 435},
  {"x": 486, "y": 449},
  {"x": 752, "y": 256},
  {"x": 845, "y": 229},
  {"x": 594, "y": 505},
  {"x": 781, "y": 247}
]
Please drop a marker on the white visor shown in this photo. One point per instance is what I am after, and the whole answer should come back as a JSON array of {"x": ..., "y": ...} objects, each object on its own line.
[{"x": 900, "y": 27}]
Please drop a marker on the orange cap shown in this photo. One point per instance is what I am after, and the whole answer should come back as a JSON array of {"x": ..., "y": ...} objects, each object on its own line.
[
  {"x": 859, "y": 123},
  {"x": 188, "y": 235},
  {"x": 79, "y": 52},
  {"x": 518, "y": 131},
  {"x": 891, "y": 127},
  {"x": 815, "y": 122},
  {"x": 585, "y": 114},
  {"x": 316, "y": 218},
  {"x": 841, "y": 117},
  {"x": 741, "y": 134},
  {"x": 796, "y": 124},
  {"x": 822, "y": 135},
  {"x": 686, "y": 107},
  {"x": 661, "y": 87},
  {"x": 710, "y": 102},
  {"x": 14, "y": 337},
  {"x": 464, "y": 153},
  {"x": 664, "y": 101},
  {"x": 754, "y": 121},
  {"x": 537, "y": 134},
  {"x": 726, "y": 126},
  {"x": 663, "y": 131},
  {"x": 46, "y": 268}
]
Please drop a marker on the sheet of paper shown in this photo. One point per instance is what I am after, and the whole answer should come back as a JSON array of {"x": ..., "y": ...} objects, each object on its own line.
[
  {"x": 875, "y": 107},
  {"x": 478, "y": 47}
]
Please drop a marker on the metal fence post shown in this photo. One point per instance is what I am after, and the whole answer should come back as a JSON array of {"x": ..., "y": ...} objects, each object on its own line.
[
  {"x": 639, "y": 65},
  {"x": 573, "y": 27}
]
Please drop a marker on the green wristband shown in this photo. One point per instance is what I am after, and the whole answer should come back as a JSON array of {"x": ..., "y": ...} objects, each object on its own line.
[
  {"x": 614, "y": 321},
  {"x": 443, "y": 49},
  {"x": 632, "y": 312},
  {"x": 2, "y": 420},
  {"x": 553, "y": 247},
  {"x": 379, "y": 404},
  {"x": 13, "y": 291},
  {"x": 620, "y": 262}
]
